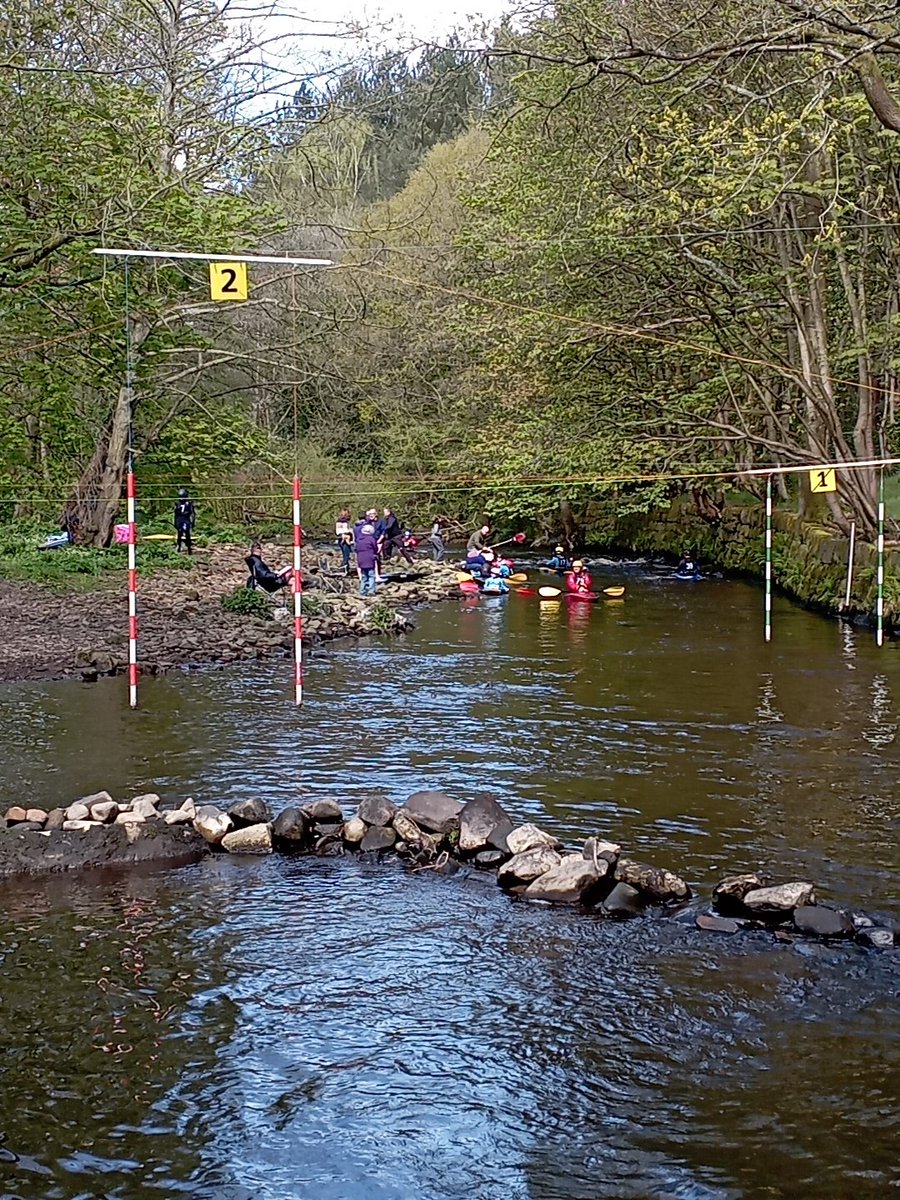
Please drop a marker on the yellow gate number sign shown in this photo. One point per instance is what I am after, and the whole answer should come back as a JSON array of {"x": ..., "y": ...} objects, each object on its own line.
[
  {"x": 823, "y": 481},
  {"x": 228, "y": 281}
]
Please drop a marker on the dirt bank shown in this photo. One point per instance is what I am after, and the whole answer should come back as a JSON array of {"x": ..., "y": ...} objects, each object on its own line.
[{"x": 46, "y": 633}]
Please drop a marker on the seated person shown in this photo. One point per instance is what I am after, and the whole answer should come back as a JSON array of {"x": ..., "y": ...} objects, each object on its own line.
[
  {"x": 480, "y": 565},
  {"x": 687, "y": 565},
  {"x": 559, "y": 563},
  {"x": 262, "y": 575},
  {"x": 578, "y": 581}
]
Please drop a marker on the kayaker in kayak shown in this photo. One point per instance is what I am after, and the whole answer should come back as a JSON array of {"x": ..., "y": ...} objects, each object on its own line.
[
  {"x": 578, "y": 582},
  {"x": 559, "y": 563},
  {"x": 687, "y": 567}
]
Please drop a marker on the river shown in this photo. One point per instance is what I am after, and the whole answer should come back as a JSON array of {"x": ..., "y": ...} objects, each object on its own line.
[{"x": 332, "y": 1029}]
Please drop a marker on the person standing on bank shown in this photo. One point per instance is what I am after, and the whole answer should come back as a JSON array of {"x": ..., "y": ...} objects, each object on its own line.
[
  {"x": 344, "y": 534},
  {"x": 436, "y": 537},
  {"x": 367, "y": 559},
  {"x": 185, "y": 518}
]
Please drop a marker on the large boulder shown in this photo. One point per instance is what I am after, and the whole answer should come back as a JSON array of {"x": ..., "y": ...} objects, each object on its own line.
[
  {"x": 780, "y": 899},
  {"x": 211, "y": 823},
  {"x": 434, "y": 811},
  {"x": 379, "y": 837},
  {"x": 822, "y": 921},
  {"x": 376, "y": 810},
  {"x": 482, "y": 824},
  {"x": 291, "y": 826},
  {"x": 249, "y": 812},
  {"x": 573, "y": 880},
  {"x": 250, "y": 839},
  {"x": 728, "y": 896},
  {"x": 524, "y": 868},
  {"x": 658, "y": 885},
  {"x": 527, "y": 837},
  {"x": 323, "y": 812}
]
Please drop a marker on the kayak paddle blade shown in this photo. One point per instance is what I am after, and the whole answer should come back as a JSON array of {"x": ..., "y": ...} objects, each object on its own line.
[
  {"x": 614, "y": 592},
  {"x": 549, "y": 593}
]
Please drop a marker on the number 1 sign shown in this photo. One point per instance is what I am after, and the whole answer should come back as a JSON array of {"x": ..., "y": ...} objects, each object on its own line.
[
  {"x": 823, "y": 481},
  {"x": 228, "y": 281}
]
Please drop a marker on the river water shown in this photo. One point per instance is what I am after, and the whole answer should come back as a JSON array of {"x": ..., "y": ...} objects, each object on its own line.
[{"x": 312, "y": 1029}]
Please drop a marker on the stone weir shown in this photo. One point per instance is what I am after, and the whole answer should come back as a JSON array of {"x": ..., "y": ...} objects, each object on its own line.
[{"x": 431, "y": 831}]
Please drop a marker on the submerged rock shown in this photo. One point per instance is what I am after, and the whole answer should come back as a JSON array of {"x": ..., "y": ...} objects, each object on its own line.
[
  {"x": 624, "y": 901},
  {"x": 527, "y": 837},
  {"x": 780, "y": 899},
  {"x": 434, "y": 811},
  {"x": 658, "y": 885},
  {"x": 524, "y": 868},
  {"x": 573, "y": 880},
  {"x": 376, "y": 810},
  {"x": 250, "y": 839},
  {"x": 822, "y": 921},
  {"x": 482, "y": 823},
  {"x": 490, "y": 858},
  {"x": 877, "y": 937},
  {"x": 714, "y": 924}
]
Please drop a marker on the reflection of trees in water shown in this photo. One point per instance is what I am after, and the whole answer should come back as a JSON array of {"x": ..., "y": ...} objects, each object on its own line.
[{"x": 102, "y": 978}]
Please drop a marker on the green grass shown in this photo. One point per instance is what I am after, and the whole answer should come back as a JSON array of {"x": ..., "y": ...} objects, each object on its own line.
[{"x": 76, "y": 568}]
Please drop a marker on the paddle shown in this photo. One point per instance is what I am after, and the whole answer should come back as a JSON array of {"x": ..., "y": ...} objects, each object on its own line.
[
  {"x": 518, "y": 538},
  {"x": 550, "y": 593},
  {"x": 157, "y": 537},
  {"x": 519, "y": 577}
]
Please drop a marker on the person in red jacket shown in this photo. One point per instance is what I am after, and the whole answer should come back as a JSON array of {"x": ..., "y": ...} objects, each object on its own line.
[{"x": 578, "y": 580}]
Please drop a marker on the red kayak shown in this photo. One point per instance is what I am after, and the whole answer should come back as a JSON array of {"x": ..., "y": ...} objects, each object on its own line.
[{"x": 590, "y": 597}]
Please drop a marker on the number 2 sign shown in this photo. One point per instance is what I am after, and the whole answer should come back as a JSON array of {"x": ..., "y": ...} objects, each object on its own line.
[
  {"x": 823, "y": 480},
  {"x": 228, "y": 281}
]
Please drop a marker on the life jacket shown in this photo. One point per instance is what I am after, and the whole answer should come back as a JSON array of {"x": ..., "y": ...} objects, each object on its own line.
[{"x": 495, "y": 585}]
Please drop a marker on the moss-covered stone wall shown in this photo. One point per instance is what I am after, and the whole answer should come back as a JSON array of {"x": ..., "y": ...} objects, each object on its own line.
[{"x": 809, "y": 562}]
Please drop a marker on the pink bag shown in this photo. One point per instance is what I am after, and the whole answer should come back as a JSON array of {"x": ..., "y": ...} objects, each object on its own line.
[{"x": 121, "y": 534}]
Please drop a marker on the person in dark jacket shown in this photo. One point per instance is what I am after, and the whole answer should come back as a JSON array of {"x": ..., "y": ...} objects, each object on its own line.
[
  {"x": 389, "y": 532},
  {"x": 367, "y": 559},
  {"x": 185, "y": 518},
  {"x": 262, "y": 575}
]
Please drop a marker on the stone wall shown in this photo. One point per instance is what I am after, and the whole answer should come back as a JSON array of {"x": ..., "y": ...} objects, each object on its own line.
[{"x": 809, "y": 561}]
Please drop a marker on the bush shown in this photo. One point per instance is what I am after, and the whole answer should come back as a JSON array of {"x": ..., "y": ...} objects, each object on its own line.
[{"x": 247, "y": 602}]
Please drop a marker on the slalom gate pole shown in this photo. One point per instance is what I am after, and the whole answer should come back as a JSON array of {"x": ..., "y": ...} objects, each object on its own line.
[
  {"x": 879, "y": 599},
  {"x": 851, "y": 549},
  {"x": 298, "y": 597},
  {"x": 132, "y": 595},
  {"x": 768, "y": 617}
]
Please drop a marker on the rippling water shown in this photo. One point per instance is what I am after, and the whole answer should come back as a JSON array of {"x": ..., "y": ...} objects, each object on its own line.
[{"x": 315, "y": 1028}]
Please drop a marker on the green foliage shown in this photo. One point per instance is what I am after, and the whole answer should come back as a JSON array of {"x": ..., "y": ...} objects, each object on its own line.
[
  {"x": 381, "y": 617},
  {"x": 247, "y": 602}
]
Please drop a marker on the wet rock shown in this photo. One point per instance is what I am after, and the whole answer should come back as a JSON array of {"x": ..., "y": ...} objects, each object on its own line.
[
  {"x": 406, "y": 827},
  {"x": 183, "y": 815},
  {"x": 249, "y": 812},
  {"x": 728, "y": 896},
  {"x": 55, "y": 818},
  {"x": 95, "y": 845},
  {"x": 105, "y": 810},
  {"x": 780, "y": 899},
  {"x": 524, "y": 868},
  {"x": 483, "y": 823},
  {"x": 490, "y": 858},
  {"x": 354, "y": 831},
  {"x": 323, "y": 811},
  {"x": 573, "y": 880},
  {"x": 78, "y": 812},
  {"x": 15, "y": 815},
  {"x": 147, "y": 805},
  {"x": 714, "y": 924},
  {"x": 821, "y": 921},
  {"x": 37, "y": 815},
  {"x": 376, "y": 810},
  {"x": 434, "y": 811},
  {"x": 527, "y": 837},
  {"x": 658, "y": 885},
  {"x": 624, "y": 901},
  {"x": 596, "y": 850},
  {"x": 211, "y": 823},
  {"x": 877, "y": 937},
  {"x": 292, "y": 826},
  {"x": 249, "y": 839},
  {"x": 379, "y": 837}
]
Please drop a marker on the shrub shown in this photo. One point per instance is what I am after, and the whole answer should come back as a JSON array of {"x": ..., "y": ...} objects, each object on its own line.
[{"x": 247, "y": 602}]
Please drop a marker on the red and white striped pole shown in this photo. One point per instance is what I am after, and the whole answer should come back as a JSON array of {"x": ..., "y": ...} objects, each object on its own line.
[
  {"x": 132, "y": 597},
  {"x": 298, "y": 598}
]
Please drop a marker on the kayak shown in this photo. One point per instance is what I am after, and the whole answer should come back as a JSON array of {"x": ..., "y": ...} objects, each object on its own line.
[
  {"x": 688, "y": 578},
  {"x": 587, "y": 597}
]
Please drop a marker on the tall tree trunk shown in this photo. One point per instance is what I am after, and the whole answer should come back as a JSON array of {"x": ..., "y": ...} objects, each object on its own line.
[{"x": 93, "y": 506}]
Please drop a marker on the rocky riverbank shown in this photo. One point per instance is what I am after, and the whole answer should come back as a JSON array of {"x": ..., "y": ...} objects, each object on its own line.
[
  {"x": 48, "y": 634},
  {"x": 430, "y": 831}
]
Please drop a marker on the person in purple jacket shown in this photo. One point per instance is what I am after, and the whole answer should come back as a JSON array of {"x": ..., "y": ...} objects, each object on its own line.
[{"x": 367, "y": 559}]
